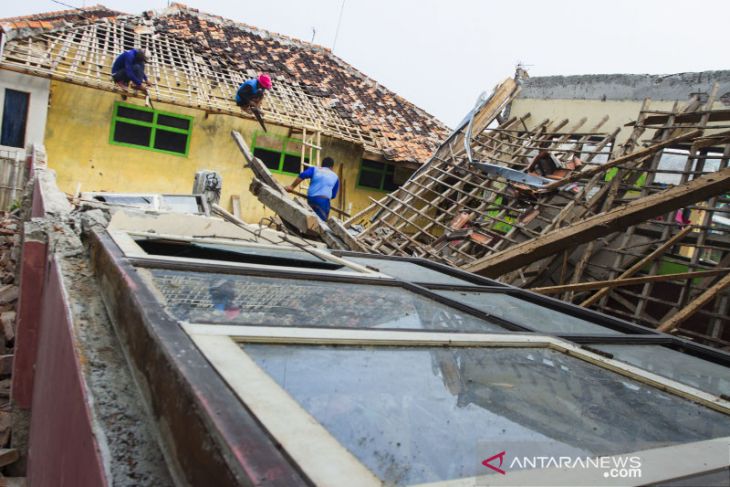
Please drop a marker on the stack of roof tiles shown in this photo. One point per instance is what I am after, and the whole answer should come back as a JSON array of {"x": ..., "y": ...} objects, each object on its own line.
[{"x": 402, "y": 131}]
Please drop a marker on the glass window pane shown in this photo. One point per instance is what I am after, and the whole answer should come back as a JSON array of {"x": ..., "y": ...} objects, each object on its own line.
[
  {"x": 408, "y": 271},
  {"x": 118, "y": 199},
  {"x": 429, "y": 414},
  {"x": 535, "y": 316},
  {"x": 389, "y": 183},
  {"x": 292, "y": 164},
  {"x": 171, "y": 141},
  {"x": 370, "y": 179},
  {"x": 234, "y": 253},
  {"x": 15, "y": 117},
  {"x": 180, "y": 204},
  {"x": 270, "y": 159},
  {"x": 672, "y": 160},
  {"x": 377, "y": 166},
  {"x": 684, "y": 368},
  {"x": 176, "y": 122},
  {"x": 252, "y": 300},
  {"x": 132, "y": 134},
  {"x": 134, "y": 114},
  {"x": 295, "y": 147}
]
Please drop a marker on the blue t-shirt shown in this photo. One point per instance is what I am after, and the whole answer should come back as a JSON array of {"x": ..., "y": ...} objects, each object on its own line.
[
  {"x": 324, "y": 182},
  {"x": 247, "y": 91},
  {"x": 127, "y": 61}
]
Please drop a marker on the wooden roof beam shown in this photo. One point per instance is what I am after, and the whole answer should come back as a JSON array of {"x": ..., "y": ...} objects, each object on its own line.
[{"x": 602, "y": 224}]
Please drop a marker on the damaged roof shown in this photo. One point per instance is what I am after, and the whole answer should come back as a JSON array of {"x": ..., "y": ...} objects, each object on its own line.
[
  {"x": 383, "y": 121},
  {"x": 57, "y": 19}
]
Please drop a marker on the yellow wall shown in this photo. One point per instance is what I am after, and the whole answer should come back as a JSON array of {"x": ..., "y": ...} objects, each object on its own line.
[
  {"x": 619, "y": 112},
  {"x": 78, "y": 148}
]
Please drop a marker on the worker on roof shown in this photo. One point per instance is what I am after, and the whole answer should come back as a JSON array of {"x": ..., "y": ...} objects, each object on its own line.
[
  {"x": 129, "y": 67},
  {"x": 251, "y": 92},
  {"x": 322, "y": 188}
]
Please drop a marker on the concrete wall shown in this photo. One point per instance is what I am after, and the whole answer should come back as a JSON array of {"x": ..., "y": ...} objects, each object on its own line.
[
  {"x": 37, "y": 111},
  {"x": 78, "y": 148},
  {"x": 627, "y": 86},
  {"x": 63, "y": 447},
  {"x": 620, "y": 112},
  {"x": 619, "y": 96}
]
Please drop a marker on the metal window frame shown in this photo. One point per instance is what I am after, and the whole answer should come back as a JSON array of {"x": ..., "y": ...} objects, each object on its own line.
[
  {"x": 153, "y": 126},
  {"x": 301, "y": 435},
  {"x": 282, "y": 153},
  {"x": 26, "y": 115},
  {"x": 382, "y": 173},
  {"x": 633, "y": 333},
  {"x": 150, "y": 330}
]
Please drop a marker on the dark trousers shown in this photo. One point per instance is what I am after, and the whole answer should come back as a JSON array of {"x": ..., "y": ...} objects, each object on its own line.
[
  {"x": 121, "y": 75},
  {"x": 320, "y": 205}
]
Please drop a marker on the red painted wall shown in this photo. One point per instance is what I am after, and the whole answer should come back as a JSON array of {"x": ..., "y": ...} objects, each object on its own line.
[
  {"x": 32, "y": 276},
  {"x": 63, "y": 450}
]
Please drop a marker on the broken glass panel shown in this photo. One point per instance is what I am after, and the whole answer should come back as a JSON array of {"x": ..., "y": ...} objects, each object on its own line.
[
  {"x": 253, "y": 300},
  {"x": 235, "y": 253},
  {"x": 180, "y": 203},
  {"x": 429, "y": 414},
  {"x": 682, "y": 367},
  {"x": 408, "y": 271},
  {"x": 522, "y": 312}
]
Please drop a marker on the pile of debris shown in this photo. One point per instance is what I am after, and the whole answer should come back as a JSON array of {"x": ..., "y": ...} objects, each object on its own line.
[{"x": 10, "y": 227}]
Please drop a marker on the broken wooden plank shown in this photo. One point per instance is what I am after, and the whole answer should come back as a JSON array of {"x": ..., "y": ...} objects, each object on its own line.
[
  {"x": 694, "y": 306},
  {"x": 646, "y": 152},
  {"x": 341, "y": 232},
  {"x": 303, "y": 219},
  {"x": 640, "y": 264},
  {"x": 602, "y": 224},
  {"x": 628, "y": 281},
  {"x": 255, "y": 164}
]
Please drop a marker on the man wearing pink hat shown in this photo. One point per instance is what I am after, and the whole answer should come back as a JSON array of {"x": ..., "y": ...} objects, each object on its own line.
[{"x": 251, "y": 92}]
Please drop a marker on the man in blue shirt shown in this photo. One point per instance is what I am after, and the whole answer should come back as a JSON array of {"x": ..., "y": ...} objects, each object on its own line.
[
  {"x": 322, "y": 188},
  {"x": 129, "y": 66},
  {"x": 251, "y": 92}
]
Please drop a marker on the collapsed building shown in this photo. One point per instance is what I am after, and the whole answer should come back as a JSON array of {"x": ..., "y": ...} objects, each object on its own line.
[{"x": 630, "y": 220}]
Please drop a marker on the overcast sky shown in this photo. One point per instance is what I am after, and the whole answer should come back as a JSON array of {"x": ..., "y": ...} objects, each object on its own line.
[{"x": 441, "y": 54}]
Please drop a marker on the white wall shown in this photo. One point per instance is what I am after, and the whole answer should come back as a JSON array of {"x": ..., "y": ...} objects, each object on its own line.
[{"x": 37, "y": 111}]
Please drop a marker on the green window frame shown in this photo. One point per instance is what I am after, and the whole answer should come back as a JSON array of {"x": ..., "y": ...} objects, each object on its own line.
[
  {"x": 382, "y": 171},
  {"x": 282, "y": 152},
  {"x": 156, "y": 121}
]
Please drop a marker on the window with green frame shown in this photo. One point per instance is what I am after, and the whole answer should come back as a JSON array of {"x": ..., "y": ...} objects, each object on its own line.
[
  {"x": 280, "y": 154},
  {"x": 145, "y": 128},
  {"x": 377, "y": 175}
]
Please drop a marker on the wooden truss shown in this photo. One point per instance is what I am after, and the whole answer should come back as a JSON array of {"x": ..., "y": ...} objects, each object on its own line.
[
  {"x": 83, "y": 55},
  {"x": 639, "y": 230}
]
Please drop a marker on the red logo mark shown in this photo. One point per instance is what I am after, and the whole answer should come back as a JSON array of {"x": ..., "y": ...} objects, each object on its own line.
[{"x": 501, "y": 459}]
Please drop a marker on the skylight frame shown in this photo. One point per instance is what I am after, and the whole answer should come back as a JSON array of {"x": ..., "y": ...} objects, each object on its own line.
[{"x": 305, "y": 439}]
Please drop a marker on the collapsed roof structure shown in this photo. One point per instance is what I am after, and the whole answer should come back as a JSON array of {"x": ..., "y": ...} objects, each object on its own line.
[
  {"x": 198, "y": 60},
  {"x": 638, "y": 230}
]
